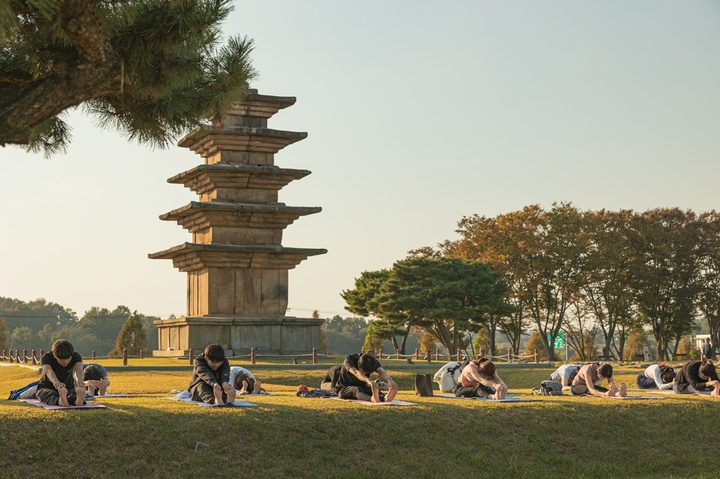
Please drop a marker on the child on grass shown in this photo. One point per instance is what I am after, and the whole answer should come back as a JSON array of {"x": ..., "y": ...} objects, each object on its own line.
[
  {"x": 60, "y": 368},
  {"x": 210, "y": 381}
]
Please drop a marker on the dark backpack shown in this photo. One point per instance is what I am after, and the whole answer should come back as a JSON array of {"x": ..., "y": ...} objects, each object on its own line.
[{"x": 549, "y": 388}]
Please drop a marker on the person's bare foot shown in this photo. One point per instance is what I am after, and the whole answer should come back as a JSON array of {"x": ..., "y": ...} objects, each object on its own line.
[
  {"x": 623, "y": 390},
  {"x": 611, "y": 392},
  {"x": 63, "y": 401}
]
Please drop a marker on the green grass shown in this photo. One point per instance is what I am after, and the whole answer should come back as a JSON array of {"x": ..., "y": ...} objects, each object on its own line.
[{"x": 144, "y": 435}]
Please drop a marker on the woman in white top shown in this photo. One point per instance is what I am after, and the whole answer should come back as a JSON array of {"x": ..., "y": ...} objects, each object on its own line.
[
  {"x": 244, "y": 381},
  {"x": 656, "y": 376}
]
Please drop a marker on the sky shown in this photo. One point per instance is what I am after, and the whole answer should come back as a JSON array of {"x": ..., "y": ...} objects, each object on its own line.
[{"x": 418, "y": 114}]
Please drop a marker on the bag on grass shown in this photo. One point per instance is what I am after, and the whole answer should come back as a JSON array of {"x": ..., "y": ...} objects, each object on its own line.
[
  {"x": 549, "y": 388},
  {"x": 18, "y": 393},
  {"x": 423, "y": 385}
]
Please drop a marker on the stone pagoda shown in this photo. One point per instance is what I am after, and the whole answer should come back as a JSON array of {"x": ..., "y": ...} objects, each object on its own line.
[{"x": 237, "y": 269}]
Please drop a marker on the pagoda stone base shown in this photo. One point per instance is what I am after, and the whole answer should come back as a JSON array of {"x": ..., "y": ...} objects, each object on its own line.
[{"x": 238, "y": 335}]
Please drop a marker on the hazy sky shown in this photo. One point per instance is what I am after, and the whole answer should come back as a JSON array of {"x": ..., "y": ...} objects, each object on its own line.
[{"x": 418, "y": 113}]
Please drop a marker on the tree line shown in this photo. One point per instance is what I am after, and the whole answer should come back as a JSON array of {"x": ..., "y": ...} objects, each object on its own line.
[
  {"x": 37, "y": 324},
  {"x": 612, "y": 274}
]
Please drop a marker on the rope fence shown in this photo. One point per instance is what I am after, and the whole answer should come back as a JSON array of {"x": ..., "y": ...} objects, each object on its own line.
[{"x": 18, "y": 356}]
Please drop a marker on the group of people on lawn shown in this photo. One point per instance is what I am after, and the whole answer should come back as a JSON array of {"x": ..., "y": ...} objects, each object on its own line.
[
  {"x": 693, "y": 377},
  {"x": 65, "y": 381}
]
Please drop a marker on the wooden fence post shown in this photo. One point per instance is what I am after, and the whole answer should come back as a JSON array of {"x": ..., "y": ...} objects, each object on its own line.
[
  {"x": 191, "y": 355},
  {"x": 536, "y": 356},
  {"x": 253, "y": 356},
  {"x": 314, "y": 355},
  {"x": 124, "y": 356}
]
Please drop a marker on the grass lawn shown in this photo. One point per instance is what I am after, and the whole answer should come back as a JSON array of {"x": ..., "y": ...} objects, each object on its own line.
[{"x": 144, "y": 435}]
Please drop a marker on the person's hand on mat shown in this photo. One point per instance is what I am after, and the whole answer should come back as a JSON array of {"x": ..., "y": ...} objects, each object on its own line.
[{"x": 391, "y": 384}]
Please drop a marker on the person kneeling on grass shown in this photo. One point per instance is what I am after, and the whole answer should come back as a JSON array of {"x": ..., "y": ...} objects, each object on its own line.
[
  {"x": 656, "y": 376},
  {"x": 586, "y": 379},
  {"x": 96, "y": 379},
  {"x": 244, "y": 381},
  {"x": 210, "y": 381},
  {"x": 353, "y": 379},
  {"x": 697, "y": 376},
  {"x": 60, "y": 368},
  {"x": 479, "y": 379}
]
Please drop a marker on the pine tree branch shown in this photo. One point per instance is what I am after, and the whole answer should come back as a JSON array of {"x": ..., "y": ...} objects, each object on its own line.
[{"x": 94, "y": 71}]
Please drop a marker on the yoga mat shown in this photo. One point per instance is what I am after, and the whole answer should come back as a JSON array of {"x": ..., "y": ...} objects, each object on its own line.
[
  {"x": 629, "y": 397},
  {"x": 507, "y": 398},
  {"x": 394, "y": 402},
  {"x": 35, "y": 402},
  {"x": 184, "y": 398}
]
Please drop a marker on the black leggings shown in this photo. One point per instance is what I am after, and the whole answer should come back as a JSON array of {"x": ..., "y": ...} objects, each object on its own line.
[{"x": 474, "y": 391}]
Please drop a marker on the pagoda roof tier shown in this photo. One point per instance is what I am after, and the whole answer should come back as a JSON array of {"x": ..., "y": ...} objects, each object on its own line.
[
  {"x": 206, "y": 178},
  {"x": 207, "y": 140},
  {"x": 195, "y": 257},
  {"x": 199, "y": 215},
  {"x": 261, "y": 106}
]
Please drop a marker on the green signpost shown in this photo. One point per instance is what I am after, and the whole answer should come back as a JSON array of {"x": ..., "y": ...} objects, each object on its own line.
[{"x": 559, "y": 340}]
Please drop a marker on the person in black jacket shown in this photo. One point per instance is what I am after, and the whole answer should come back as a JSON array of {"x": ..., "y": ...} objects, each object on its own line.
[
  {"x": 697, "y": 376},
  {"x": 210, "y": 381}
]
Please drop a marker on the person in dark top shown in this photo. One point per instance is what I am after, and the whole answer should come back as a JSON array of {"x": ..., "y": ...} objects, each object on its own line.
[
  {"x": 210, "y": 381},
  {"x": 697, "y": 376},
  {"x": 353, "y": 379},
  {"x": 61, "y": 381},
  {"x": 708, "y": 350}
]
